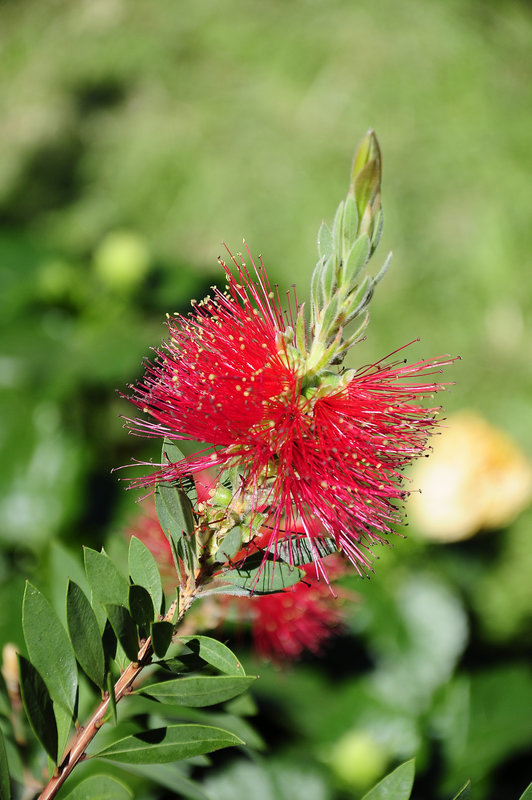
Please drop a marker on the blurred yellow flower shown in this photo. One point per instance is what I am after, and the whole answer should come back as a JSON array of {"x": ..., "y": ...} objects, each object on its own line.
[{"x": 475, "y": 478}]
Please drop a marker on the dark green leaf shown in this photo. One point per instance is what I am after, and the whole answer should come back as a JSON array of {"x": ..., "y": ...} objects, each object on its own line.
[
  {"x": 263, "y": 576},
  {"x": 298, "y": 551},
  {"x": 527, "y": 794},
  {"x": 161, "y": 637},
  {"x": 124, "y": 628},
  {"x": 49, "y": 647},
  {"x": 464, "y": 793},
  {"x": 38, "y": 706},
  {"x": 171, "y": 777},
  {"x": 395, "y": 786},
  {"x": 214, "y": 653},
  {"x": 107, "y": 583},
  {"x": 140, "y": 605},
  {"x": 198, "y": 691},
  {"x": 230, "y": 546},
  {"x": 84, "y": 634},
  {"x": 176, "y": 518},
  {"x": 171, "y": 454},
  {"x": 162, "y": 745},
  {"x": 5, "y": 791},
  {"x": 100, "y": 787},
  {"x": 63, "y": 720},
  {"x": 144, "y": 571},
  {"x": 112, "y": 696}
]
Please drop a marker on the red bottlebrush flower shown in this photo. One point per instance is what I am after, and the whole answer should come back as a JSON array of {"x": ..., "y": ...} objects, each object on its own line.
[
  {"x": 318, "y": 453},
  {"x": 286, "y": 624}
]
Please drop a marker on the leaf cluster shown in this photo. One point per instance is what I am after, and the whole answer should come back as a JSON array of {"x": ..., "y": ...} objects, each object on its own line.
[{"x": 110, "y": 621}]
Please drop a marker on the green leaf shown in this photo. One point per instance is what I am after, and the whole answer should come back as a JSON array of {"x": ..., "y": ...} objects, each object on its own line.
[
  {"x": 325, "y": 241},
  {"x": 215, "y": 653},
  {"x": 328, "y": 278},
  {"x": 107, "y": 583},
  {"x": 171, "y": 454},
  {"x": 349, "y": 223},
  {"x": 144, "y": 571},
  {"x": 171, "y": 777},
  {"x": 5, "y": 791},
  {"x": 140, "y": 605},
  {"x": 176, "y": 518},
  {"x": 173, "y": 743},
  {"x": 100, "y": 787},
  {"x": 395, "y": 786},
  {"x": 38, "y": 706},
  {"x": 527, "y": 794},
  {"x": 161, "y": 637},
  {"x": 297, "y": 550},
  {"x": 84, "y": 634},
  {"x": 124, "y": 628},
  {"x": 49, "y": 647},
  {"x": 465, "y": 792},
  {"x": 63, "y": 720},
  {"x": 112, "y": 696},
  {"x": 198, "y": 691},
  {"x": 263, "y": 576},
  {"x": 230, "y": 545},
  {"x": 355, "y": 262}
]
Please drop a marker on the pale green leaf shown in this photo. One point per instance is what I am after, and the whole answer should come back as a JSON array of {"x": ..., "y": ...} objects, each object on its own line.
[{"x": 395, "y": 786}]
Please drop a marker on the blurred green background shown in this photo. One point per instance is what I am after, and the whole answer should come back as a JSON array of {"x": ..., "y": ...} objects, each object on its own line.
[{"x": 138, "y": 136}]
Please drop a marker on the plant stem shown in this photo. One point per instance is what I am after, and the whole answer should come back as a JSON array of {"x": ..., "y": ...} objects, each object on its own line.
[{"x": 75, "y": 751}]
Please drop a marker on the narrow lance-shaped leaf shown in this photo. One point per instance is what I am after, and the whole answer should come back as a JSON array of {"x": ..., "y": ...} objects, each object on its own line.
[
  {"x": 298, "y": 551},
  {"x": 325, "y": 241},
  {"x": 144, "y": 571},
  {"x": 465, "y": 792},
  {"x": 215, "y": 653},
  {"x": 5, "y": 791},
  {"x": 100, "y": 787},
  {"x": 49, "y": 647},
  {"x": 38, "y": 706},
  {"x": 162, "y": 745},
  {"x": 140, "y": 605},
  {"x": 84, "y": 634},
  {"x": 395, "y": 786},
  {"x": 161, "y": 637},
  {"x": 198, "y": 691},
  {"x": 266, "y": 578},
  {"x": 107, "y": 582},
  {"x": 230, "y": 545},
  {"x": 124, "y": 628},
  {"x": 63, "y": 721},
  {"x": 527, "y": 794}
]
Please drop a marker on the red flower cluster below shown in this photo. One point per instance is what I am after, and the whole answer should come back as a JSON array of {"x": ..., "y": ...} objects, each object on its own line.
[{"x": 322, "y": 461}]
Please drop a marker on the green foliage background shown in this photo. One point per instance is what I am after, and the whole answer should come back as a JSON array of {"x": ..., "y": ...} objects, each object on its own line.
[{"x": 136, "y": 137}]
